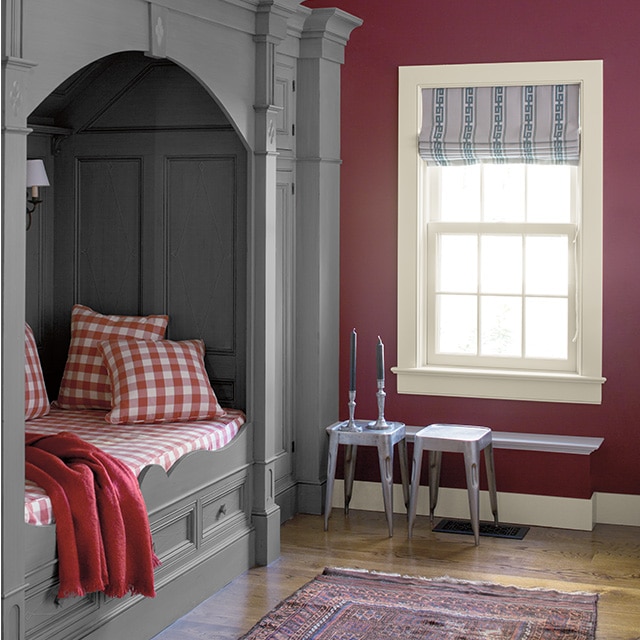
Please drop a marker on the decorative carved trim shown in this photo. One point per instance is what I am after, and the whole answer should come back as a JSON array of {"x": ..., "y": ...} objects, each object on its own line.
[
  {"x": 157, "y": 31},
  {"x": 266, "y": 129},
  {"x": 57, "y": 134},
  {"x": 15, "y": 71},
  {"x": 56, "y": 144},
  {"x": 15, "y": 97},
  {"x": 325, "y": 34}
]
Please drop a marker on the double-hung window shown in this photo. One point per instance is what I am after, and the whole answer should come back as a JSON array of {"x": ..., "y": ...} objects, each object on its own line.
[{"x": 499, "y": 231}]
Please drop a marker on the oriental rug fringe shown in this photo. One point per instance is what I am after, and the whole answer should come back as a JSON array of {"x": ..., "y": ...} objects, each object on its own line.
[{"x": 346, "y": 604}]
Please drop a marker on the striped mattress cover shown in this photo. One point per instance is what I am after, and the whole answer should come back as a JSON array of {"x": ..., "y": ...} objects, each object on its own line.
[{"x": 138, "y": 446}]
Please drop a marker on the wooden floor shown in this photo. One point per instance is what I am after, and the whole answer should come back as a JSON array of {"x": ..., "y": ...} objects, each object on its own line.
[{"x": 606, "y": 561}]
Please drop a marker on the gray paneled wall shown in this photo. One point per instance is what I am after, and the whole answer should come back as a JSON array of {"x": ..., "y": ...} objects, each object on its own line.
[{"x": 108, "y": 225}]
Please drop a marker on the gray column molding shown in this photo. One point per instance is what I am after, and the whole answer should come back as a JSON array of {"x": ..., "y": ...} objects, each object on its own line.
[
  {"x": 12, "y": 26},
  {"x": 323, "y": 39},
  {"x": 264, "y": 387},
  {"x": 15, "y": 75}
]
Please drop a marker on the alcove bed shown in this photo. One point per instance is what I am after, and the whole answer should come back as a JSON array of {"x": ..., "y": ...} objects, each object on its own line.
[
  {"x": 168, "y": 136},
  {"x": 149, "y": 184}
]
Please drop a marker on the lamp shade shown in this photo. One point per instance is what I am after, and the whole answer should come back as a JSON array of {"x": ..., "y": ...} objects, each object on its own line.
[{"x": 36, "y": 174}]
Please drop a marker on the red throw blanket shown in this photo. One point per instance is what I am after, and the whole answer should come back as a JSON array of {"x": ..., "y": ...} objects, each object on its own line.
[{"x": 103, "y": 537}]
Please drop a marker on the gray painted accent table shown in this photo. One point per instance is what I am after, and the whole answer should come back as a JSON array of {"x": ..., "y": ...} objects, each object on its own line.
[{"x": 384, "y": 440}]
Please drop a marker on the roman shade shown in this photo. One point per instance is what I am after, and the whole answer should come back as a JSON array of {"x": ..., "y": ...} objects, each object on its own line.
[{"x": 500, "y": 124}]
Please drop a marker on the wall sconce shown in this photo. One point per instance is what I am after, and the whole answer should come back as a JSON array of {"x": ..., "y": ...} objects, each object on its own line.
[{"x": 36, "y": 177}]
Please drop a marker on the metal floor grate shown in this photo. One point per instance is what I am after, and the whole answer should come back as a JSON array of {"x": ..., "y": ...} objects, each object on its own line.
[{"x": 514, "y": 532}]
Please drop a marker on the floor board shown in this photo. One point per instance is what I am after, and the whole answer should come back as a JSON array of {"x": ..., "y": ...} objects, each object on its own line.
[{"x": 605, "y": 560}]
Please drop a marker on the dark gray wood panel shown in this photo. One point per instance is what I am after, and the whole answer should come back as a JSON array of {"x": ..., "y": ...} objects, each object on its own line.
[
  {"x": 109, "y": 219},
  {"x": 201, "y": 216},
  {"x": 39, "y": 258},
  {"x": 202, "y": 283}
]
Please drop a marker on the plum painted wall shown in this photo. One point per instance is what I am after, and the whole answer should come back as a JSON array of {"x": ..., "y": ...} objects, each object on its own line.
[{"x": 411, "y": 32}]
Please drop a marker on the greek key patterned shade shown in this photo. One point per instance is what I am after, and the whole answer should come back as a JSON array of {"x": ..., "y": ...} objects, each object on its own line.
[{"x": 524, "y": 124}]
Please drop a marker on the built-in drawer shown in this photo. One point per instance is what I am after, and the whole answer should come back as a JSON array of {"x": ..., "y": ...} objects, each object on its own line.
[{"x": 224, "y": 507}]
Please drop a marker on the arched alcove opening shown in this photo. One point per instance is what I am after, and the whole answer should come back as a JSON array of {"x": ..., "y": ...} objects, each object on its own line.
[{"x": 146, "y": 212}]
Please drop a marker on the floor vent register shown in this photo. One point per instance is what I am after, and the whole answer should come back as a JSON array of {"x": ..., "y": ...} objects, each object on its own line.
[{"x": 491, "y": 530}]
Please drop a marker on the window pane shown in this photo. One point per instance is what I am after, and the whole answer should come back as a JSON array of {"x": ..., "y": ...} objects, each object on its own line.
[
  {"x": 549, "y": 193},
  {"x": 503, "y": 193},
  {"x": 456, "y": 323},
  {"x": 501, "y": 326},
  {"x": 547, "y": 333},
  {"x": 501, "y": 264},
  {"x": 547, "y": 265},
  {"x": 460, "y": 194},
  {"x": 457, "y": 263}
]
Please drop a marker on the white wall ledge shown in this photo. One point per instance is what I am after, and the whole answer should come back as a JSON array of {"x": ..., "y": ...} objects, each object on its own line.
[
  {"x": 461, "y": 382},
  {"x": 580, "y": 445}
]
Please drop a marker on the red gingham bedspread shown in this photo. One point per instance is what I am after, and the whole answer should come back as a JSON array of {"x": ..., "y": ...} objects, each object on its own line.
[{"x": 136, "y": 445}]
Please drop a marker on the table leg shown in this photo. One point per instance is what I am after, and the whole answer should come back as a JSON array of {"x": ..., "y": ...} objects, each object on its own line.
[
  {"x": 404, "y": 471},
  {"x": 435, "y": 462},
  {"x": 331, "y": 474},
  {"x": 471, "y": 462},
  {"x": 491, "y": 481},
  {"x": 350, "y": 451},
  {"x": 385, "y": 458},
  {"x": 415, "y": 483}
]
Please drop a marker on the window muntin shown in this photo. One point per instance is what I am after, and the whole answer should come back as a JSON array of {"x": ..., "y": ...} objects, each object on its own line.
[{"x": 500, "y": 283}]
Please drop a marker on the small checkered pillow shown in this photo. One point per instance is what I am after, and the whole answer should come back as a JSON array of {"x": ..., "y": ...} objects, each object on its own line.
[
  {"x": 85, "y": 382},
  {"x": 36, "y": 402},
  {"x": 158, "y": 381}
]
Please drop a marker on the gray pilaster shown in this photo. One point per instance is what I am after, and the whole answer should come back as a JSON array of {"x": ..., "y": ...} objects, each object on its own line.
[
  {"x": 14, "y": 132},
  {"x": 324, "y": 37},
  {"x": 266, "y": 388}
]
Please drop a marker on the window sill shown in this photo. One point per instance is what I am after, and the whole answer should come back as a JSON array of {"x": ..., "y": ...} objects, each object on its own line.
[{"x": 505, "y": 385}]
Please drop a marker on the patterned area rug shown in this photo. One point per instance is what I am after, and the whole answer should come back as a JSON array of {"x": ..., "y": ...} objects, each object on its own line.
[{"x": 343, "y": 604}]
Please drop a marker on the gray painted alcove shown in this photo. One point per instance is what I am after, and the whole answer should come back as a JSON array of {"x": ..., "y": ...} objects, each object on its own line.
[
  {"x": 146, "y": 213},
  {"x": 250, "y": 55}
]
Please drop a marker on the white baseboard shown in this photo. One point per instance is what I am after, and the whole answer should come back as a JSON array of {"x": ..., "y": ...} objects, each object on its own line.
[
  {"x": 513, "y": 508},
  {"x": 617, "y": 508}
]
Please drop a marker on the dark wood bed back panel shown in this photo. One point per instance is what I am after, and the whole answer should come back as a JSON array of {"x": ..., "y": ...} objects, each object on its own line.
[{"x": 149, "y": 214}]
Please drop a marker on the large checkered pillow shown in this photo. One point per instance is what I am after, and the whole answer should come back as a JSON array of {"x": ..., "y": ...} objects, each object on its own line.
[
  {"x": 158, "y": 381},
  {"x": 85, "y": 382},
  {"x": 36, "y": 402}
]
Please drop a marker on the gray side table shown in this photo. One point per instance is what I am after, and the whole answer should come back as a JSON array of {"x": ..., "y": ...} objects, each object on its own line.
[
  {"x": 384, "y": 440},
  {"x": 467, "y": 439}
]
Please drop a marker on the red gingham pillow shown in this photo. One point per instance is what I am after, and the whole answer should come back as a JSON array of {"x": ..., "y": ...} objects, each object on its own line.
[
  {"x": 36, "y": 402},
  {"x": 85, "y": 383},
  {"x": 158, "y": 381}
]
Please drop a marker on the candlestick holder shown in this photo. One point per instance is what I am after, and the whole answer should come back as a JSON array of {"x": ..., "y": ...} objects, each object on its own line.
[
  {"x": 380, "y": 423},
  {"x": 351, "y": 424}
]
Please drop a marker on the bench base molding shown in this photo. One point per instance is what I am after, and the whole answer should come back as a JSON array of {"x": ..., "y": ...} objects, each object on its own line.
[{"x": 514, "y": 508}]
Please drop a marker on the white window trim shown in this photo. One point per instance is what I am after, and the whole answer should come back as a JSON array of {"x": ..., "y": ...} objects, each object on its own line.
[{"x": 413, "y": 376}]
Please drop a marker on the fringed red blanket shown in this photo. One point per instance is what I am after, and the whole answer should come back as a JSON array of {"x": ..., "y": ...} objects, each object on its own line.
[{"x": 103, "y": 536}]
